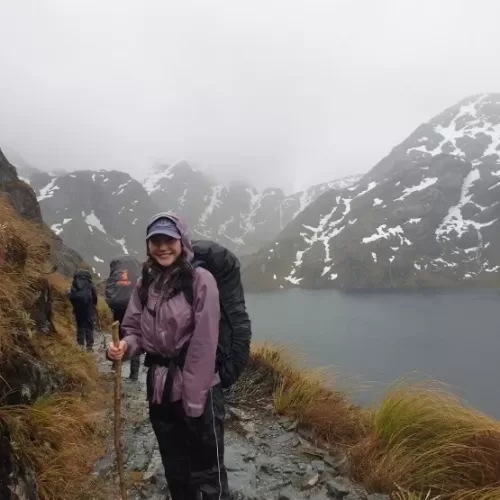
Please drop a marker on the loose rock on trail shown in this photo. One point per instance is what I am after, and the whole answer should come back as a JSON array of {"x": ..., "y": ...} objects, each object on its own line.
[{"x": 266, "y": 457}]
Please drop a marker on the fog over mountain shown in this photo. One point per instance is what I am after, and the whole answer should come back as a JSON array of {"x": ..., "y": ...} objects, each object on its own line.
[{"x": 279, "y": 94}]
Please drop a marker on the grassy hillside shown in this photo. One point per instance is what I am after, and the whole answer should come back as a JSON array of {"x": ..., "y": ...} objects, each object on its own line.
[{"x": 50, "y": 399}]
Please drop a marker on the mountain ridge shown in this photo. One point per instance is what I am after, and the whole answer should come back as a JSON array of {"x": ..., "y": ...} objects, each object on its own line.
[
  {"x": 240, "y": 216},
  {"x": 104, "y": 213},
  {"x": 426, "y": 215}
]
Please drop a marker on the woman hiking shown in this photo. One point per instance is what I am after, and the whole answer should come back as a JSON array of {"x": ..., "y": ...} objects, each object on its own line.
[{"x": 186, "y": 403}]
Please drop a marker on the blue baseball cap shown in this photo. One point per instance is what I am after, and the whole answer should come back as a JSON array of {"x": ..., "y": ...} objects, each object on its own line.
[{"x": 163, "y": 226}]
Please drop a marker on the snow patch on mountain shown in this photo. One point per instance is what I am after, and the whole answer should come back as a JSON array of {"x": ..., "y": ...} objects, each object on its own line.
[
  {"x": 121, "y": 188},
  {"x": 48, "y": 190},
  {"x": 454, "y": 221},
  {"x": 57, "y": 228},
  {"x": 122, "y": 243},
  {"x": 93, "y": 221},
  {"x": 387, "y": 232},
  {"x": 470, "y": 121},
  {"x": 152, "y": 182},
  {"x": 214, "y": 201},
  {"x": 425, "y": 183}
]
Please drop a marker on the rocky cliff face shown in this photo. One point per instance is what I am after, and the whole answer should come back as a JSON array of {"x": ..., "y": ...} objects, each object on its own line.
[
  {"x": 19, "y": 194},
  {"x": 426, "y": 215},
  {"x": 25, "y": 303},
  {"x": 44, "y": 378},
  {"x": 23, "y": 199}
]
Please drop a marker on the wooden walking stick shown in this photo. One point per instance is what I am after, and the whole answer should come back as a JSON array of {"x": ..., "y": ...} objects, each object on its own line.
[{"x": 118, "y": 417}]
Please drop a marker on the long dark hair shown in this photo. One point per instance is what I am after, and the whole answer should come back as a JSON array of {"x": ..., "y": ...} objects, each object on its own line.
[{"x": 171, "y": 279}]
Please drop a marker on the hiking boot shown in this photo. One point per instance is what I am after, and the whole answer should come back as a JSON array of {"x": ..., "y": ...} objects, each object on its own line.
[{"x": 134, "y": 374}]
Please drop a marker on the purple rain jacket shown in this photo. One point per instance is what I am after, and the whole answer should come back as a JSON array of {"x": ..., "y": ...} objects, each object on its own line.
[{"x": 176, "y": 323}]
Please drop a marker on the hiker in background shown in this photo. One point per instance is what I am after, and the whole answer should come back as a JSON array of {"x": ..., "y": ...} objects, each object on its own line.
[
  {"x": 192, "y": 351},
  {"x": 83, "y": 297},
  {"x": 124, "y": 271}
]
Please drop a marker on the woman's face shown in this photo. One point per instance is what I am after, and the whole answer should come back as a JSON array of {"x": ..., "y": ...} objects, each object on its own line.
[{"x": 164, "y": 249}]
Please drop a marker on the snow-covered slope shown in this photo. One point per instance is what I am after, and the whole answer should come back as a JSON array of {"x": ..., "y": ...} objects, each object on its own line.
[
  {"x": 235, "y": 214},
  {"x": 102, "y": 214},
  {"x": 427, "y": 215}
]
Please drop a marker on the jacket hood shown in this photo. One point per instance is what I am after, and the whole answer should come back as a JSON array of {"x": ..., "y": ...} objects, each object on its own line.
[
  {"x": 187, "y": 246},
  {"x": 84, "y": 274},
  {"x": 121, "y": 259}
]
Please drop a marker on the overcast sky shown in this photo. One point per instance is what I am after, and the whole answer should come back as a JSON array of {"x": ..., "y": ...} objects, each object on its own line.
[{"x": 280, "y": 92}]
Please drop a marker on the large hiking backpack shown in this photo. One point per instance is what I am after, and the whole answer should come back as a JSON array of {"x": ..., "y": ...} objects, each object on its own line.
[
  {"x": 80, "y": 293},
  {"x": 235, "y": 331},
  {"x": 124, "y": 272}
]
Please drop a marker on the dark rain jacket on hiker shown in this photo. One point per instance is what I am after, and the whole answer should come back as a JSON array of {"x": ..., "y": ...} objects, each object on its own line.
[
  {"x": 83, "y": 297},
  {"x": 124, "y": 272},
  {"x": 176, "y": 323},
  {"x": 84, "y": 311}
]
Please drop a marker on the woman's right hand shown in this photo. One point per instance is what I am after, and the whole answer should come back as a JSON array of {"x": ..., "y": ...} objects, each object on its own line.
[{"x": 117, "y": 353}]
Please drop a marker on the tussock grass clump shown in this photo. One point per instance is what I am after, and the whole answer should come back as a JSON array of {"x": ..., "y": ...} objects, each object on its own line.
[
  {"x": 305, "y": 396},
  {"x": 104, "y": 313},
  {"x": 420, "y": 443},
  {"x": 402, "y": 494},
  {"x": 424, "y": 438},
  {"x": 56, "y": 436},
  {"x": 51, "y": 403},
  {"x": 21, "y": 259}
]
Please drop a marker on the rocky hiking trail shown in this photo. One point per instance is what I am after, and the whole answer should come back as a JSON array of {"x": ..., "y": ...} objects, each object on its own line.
[{"x": 267, "y": 457}]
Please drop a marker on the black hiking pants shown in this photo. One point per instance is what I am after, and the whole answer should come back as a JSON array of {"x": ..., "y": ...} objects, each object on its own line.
[
  {"x": 192, "y": 449},
  {"x": 135, "y": 361},
  {"x": 85, "y": 329}
]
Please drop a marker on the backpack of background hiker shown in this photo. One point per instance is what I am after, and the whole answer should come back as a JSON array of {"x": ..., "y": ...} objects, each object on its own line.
[
  {"x": 235, "y": 330},
  {"x": 123, "y": 275},
  {"x": 80, "y": 294}
]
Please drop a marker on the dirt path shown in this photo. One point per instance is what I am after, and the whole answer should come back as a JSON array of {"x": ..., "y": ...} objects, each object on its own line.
[{"x": 266, "y": 458}]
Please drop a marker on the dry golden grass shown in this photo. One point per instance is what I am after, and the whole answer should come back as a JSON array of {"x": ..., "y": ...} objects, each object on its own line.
[
  {"x": 304, "y": 396},
  {"x": 402, "y": 494},
  {"x": 105, "y": 315},
  {"x": 21, "y": 258},
  {"x": 57, "y": 435},
  {"x": 425, "y": 438},
  {"x": 59, "y": 438},
  {"x": 419, "y": 439}
]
